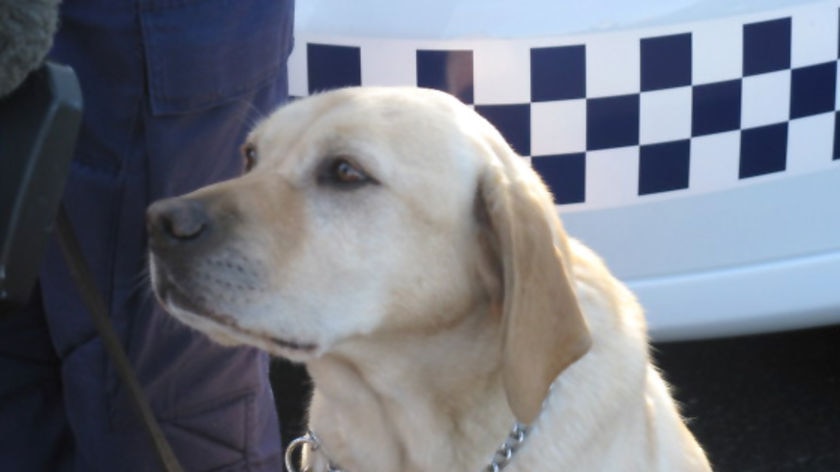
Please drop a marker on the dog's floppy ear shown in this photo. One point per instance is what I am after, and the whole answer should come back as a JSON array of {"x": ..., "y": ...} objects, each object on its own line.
[{"x": 544, "y": 330}]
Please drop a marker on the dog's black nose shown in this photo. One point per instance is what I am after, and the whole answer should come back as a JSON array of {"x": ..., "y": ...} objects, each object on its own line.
[{"x": 175, "y": 220}]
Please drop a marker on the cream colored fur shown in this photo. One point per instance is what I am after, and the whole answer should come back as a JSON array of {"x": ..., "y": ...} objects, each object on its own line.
[{"x": 433, "y": 304}]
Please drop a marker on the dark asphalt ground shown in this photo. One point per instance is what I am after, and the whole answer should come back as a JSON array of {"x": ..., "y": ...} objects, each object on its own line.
[
  {"x": 757, "y": 404},
  {"x": 761, "y": 403}
]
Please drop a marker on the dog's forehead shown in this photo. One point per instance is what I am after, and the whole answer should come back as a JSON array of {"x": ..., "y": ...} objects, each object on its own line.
[{"x": 405, "y": 119}]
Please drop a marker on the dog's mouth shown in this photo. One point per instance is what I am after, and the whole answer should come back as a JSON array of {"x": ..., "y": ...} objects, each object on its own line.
[{"x": 172, "y": 297}]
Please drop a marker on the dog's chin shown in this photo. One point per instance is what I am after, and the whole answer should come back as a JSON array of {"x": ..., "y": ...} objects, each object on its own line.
[{"x": 225, "y": 330}]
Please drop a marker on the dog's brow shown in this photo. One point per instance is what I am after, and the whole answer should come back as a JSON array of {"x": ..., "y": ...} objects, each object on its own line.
[{"x": 338, "y": 144}]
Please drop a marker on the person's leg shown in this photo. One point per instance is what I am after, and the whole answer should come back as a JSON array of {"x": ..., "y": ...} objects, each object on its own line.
[
  {"x": 195, "y": 386},
  {"x": 34, "y": 433},
  {"x": 214, "y": 403}
]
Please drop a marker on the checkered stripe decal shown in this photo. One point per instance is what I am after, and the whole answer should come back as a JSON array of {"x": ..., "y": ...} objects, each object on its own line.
[{"x": 608, "y": 118}]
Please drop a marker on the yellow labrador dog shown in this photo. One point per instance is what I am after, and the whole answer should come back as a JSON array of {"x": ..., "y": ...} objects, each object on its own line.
[{"x": 391, "y": 240}]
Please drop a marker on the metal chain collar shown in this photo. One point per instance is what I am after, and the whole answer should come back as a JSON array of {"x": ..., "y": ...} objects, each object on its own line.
[
  {"x": 505, "y": 453},
  {"x": 502, "y": 457},
  {"x": 315, "y": 445}
]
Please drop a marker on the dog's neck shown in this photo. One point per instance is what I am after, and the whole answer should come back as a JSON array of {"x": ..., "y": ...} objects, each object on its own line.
[{"x": 414, "y": 401}]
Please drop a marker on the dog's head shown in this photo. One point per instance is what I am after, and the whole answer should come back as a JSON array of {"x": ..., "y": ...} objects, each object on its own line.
[{"x": 365, "y": 211}]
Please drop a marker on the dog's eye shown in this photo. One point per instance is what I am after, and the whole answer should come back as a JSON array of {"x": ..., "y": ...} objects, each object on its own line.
[
  {"x": 249, "y": 156},
  {"x": 346, "y": 173},
  {"x": 341, "y": 172}
]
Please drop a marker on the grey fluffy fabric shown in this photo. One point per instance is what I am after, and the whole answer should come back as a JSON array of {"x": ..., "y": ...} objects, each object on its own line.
[{"x": 26, "y": 31}]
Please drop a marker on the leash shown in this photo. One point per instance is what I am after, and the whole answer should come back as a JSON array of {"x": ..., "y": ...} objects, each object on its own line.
[
  {"x": 502, "y": 457},
  {"x": 81, "y": 274}
]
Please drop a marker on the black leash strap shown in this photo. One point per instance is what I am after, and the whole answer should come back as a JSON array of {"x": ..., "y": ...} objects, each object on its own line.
[{"x": 93, "y": 299}]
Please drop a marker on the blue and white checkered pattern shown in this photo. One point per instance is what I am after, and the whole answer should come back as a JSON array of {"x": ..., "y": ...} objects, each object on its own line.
[{"x": 611, "y": 117}]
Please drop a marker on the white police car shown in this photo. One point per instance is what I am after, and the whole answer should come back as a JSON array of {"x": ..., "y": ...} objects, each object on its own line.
[{"x": 693, "y": 144}]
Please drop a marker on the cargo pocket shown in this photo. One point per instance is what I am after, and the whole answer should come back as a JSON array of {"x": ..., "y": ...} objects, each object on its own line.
[{"x": 204, "y": 53}]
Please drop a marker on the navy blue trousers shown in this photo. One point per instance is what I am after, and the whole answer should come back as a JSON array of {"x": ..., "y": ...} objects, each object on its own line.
[{"x": 170, "y": 87}]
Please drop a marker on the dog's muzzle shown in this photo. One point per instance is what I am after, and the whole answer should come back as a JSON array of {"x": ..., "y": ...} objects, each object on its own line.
[
  {"x": 180, "y": 234},
  {"x": 176, "y": 223}
]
